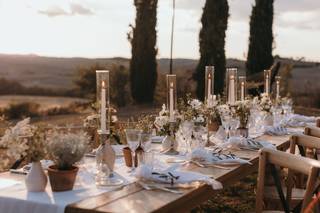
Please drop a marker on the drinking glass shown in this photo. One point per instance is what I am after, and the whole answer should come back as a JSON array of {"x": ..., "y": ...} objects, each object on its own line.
[
  {"x": 225, "y": 120},
  {"x": 133, "y": 139},
  {"x": 234, "y": 125},
  {"x": 146, "y": 141}
]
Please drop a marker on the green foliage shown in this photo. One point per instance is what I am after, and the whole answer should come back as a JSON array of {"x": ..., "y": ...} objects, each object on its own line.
[
  {"x": 21, "y": 110},
  {"x": 143, "y": 64},
  {"x": 212, "y": 41},
  {"x": 119, "y": 83},
  {"x": 261, "y": 37}
]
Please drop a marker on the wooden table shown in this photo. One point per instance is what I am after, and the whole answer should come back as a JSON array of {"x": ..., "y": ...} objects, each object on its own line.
[{"x": 133, "y": 198}]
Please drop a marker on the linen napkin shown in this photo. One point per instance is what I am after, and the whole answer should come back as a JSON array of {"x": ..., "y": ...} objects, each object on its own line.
[
  {"x": 210, "y": 156},
  {"x": 173, "y": 175},
  {"x": 276, "y": 130},
  {"x": 297, "y": 120},
  {"x": 245, "y": 143}
]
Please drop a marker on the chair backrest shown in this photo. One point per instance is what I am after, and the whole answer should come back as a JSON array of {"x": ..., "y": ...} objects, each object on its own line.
[
  {"x": 296, "y": 163},
  {"x": 312, "y": 131},
  {"x": 318, "y": 122}
]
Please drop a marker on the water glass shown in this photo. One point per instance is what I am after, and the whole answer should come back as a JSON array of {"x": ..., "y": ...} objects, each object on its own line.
[{"x": 133, "y": 139}]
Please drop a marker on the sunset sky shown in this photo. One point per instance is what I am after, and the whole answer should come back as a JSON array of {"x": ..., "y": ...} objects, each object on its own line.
[{"x": 98, "y": 28}]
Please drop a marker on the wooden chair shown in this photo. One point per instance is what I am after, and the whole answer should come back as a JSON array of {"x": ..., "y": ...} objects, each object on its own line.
[
  {"x": 312, "y": 131},
  {"x": 303, "y": 165},
  {"x": 318, "y": 122}
]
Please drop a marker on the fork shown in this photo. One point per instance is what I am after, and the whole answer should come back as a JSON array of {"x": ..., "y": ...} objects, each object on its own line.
[{"x": 151, "y": 187}]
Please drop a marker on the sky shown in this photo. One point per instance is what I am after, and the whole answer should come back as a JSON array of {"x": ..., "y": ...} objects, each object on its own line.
[{"x": 98, "y": 28}]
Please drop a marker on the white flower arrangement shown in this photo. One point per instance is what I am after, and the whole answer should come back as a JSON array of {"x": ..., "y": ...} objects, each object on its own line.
[
  {"x": 224, "y": 109},
  {"x": 15, "y": 142},
  {"x": 242, "y": 110},
  {"x": 162, "y": 122},
  {"x": 195, "y": 104},
  {"x": 65, "y": 149},
  {"x": 265, "y": 103}
]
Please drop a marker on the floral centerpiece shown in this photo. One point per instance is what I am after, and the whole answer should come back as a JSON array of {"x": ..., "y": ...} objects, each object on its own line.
[
  {"x": 264, "y": 102},
  {"x": 212, "y": 114},
  {"x": 242, "y": 111},
  {"x": 162, "y": 122},
  {"x": 265, "y": 105},
  {"x": 192, "y": 110},
  {"x": 65, "y": 150}
]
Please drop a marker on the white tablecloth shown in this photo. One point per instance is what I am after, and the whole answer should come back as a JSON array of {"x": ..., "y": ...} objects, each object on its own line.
[{"x": 15, "y": 199}]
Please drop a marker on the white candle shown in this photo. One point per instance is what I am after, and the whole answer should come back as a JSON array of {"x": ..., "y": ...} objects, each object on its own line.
[
  {"x": 171, "y": 112},
  {"x": 209, "y": 86},
  {"x": 278, "y": 89},
  {"x": 103, "y": 122},
  {"x": 267, "y": 83},
  {"x": 232, "y": 94},
  {"x": 242, "y": 91}
]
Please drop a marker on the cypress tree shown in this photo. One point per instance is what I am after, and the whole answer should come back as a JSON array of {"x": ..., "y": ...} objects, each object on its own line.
[
  {"x": 261, "y": 38},
  {"x": 143, "y": 64},
  {"x": 212, "y": 41}
]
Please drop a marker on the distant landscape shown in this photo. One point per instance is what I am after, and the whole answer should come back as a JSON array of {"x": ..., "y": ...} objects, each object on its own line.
[{"x": 60, "y": 73}]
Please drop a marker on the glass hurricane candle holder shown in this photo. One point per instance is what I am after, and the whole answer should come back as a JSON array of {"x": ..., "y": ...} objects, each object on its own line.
[
  {"x": 267, "y": 81},
  {"x": 171, "y": 96},
  {"x": 103, "y": 100},
  {"x": 242, "y": 87},
  {"x": 209, "y": 83},
  {"x": 231, "y": 85}
]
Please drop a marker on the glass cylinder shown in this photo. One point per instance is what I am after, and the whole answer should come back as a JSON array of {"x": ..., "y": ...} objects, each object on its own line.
[
  {"x": 242, "y": 87},
  {"x": 267, "y": 81},
  {"x": 209, "y": 83},
  {"x": 278, "y": 81},
  {"x": 231, "y": 85},
  {"x": 103, "y": 99},
  {"x": 171, "y": 96}
]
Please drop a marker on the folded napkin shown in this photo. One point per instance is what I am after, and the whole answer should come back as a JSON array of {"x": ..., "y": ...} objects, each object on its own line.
[
  {"x": 296, "y": 120},
  {"x": 172, "y": 176},
  {"x": 276, "y": 130},
  {"x": 245, "y": 143},
  {"x": 211, "y": 156}
]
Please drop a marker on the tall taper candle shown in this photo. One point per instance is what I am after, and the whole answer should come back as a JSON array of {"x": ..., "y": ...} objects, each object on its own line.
[
  {"x": 103, "y": 122},
  {"x": 232, "y": 94},
  {"x": 171, "y": 111},
  {"x": 242, "y": 91},
  {"x": 277, "y": 87}
]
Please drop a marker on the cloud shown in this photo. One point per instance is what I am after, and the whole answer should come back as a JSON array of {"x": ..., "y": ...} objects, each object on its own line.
[
  {"x": 74, "y": 9},
  {"x": 53, "y": 11},
  {"x": 80, "y": 10}
]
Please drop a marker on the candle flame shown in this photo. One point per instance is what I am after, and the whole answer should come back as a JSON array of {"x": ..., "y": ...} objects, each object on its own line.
[
  {"x": 242, "y": 83},
  {"x": 171, "y": 84},
  {"x": 103, "y": 84},
  {"x": 209, "y": 76}
]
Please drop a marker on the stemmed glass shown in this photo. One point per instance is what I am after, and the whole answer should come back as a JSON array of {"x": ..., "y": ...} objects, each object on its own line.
[
  {"x": 225, "y": 120},
  {"x": 133, "y": 139},
  {"x": 146, "y": 141}
]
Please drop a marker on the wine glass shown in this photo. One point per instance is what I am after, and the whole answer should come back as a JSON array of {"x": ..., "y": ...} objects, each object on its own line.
[
  {"x": 225, "y": 120},
  {"x": 146, "y": 141},
  {"x": 133, "y": 139}
]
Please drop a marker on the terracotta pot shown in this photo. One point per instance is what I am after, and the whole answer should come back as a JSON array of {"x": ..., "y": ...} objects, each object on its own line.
[
  {"x": 128, "y": 156},
  {"x": 36, "y": 180},
  {"x": 62, "y": 180},
  {"x": 213, "y": 126}
]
